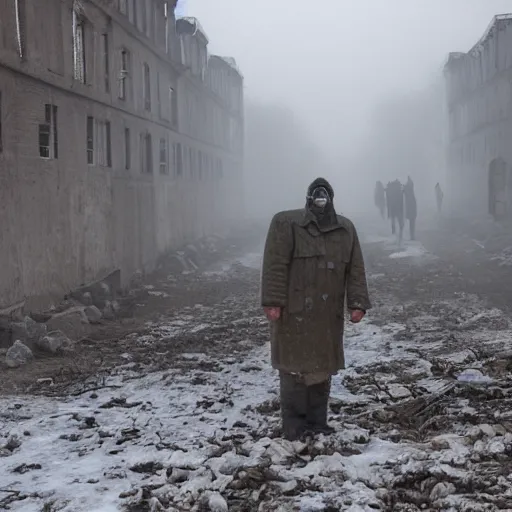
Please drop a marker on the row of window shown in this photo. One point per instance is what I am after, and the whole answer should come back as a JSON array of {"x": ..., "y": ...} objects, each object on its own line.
[
  {"x": 99, "y": 149},
  {"x": 167, "y": 107}
]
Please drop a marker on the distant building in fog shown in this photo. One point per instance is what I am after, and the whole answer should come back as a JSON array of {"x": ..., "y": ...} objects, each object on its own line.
[
  {"x": 120, "y": 138},
  {"x": 479, "y": 108}
]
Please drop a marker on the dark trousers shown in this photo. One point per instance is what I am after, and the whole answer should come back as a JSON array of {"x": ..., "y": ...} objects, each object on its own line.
[
  {"x": 412, "y": 228},
  {"x": 400, "y": 221},
  {"x": 303, "y": 407}
]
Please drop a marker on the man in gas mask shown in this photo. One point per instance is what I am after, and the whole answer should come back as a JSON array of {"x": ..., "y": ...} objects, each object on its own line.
[{"x": 312, "y": 259}]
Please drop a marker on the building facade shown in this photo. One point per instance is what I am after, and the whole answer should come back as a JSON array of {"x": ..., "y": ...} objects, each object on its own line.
[
  {"x": 479, "y": 110},
  {"x": 120, "y": 139}
]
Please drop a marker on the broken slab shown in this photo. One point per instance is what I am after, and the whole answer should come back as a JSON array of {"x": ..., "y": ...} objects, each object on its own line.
[
  {"x": 398, "y": 392},
  {"x": 73, "y": 323},
  {"x": 18, "y": 355},
  {"x": 28, "y": 331},
  {"x": 54, "y": 342}
]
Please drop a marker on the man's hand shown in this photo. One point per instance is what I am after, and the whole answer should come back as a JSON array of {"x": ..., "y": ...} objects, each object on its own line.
[
  {"x": 273, "y": 314},
  {"x": 357, "y": 315}
]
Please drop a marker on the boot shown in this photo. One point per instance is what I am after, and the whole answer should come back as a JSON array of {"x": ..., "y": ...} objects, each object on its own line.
[
  {"x": 318, "y": 399},
  {"x": 294, "y": 405}
]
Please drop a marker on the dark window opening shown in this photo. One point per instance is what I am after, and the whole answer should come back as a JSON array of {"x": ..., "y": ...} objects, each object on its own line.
[
  {"x": 124, "y": 74},
  {"x": 127, "y": 149},
  {"x": 164, "y": 169},
  {"x": 55, "y": 133},
  {"x": 90, "y": 140},
  {"x": 106, "y": 62},
  {"x": 44, "y": 140},
  {"x": 146, "y": 153},
  {"x": 179, "y": 160},
  {"x": 147, "y": 88},
  {"x": 1, "y": 139},
  {"x": 79, "y": 48},
  {"x": 48, "y": 134},
  {"x": 108, "y": 144}
]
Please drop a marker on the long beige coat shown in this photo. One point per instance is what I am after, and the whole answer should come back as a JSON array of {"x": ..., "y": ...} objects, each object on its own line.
[{"x": 307, "y": 272}]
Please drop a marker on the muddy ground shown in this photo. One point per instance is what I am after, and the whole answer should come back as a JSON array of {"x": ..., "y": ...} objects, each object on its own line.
[{"x": 190, "y": 372}]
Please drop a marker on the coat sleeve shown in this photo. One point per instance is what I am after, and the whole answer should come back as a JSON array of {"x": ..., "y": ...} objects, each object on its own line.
[
  {"x": 357, "y": 288},
  {"x": 276, "y": 259}
]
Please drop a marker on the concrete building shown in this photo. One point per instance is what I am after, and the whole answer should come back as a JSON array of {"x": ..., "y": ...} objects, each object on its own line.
[
  {"x": 479, "y": 109},
  {"x": 120, "y": 139}
]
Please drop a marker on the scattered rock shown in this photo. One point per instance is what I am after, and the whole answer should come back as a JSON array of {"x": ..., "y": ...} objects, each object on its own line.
[
  {"x": 86, "y": 299},
  {"x": 217, "y": 503},
  {"x": 398, "y": 392},
  {"x": 108, "y": 311},
  {"x": 93, "y": 314},
  {"x": 25, "y": 468},
  {"x": 18, "y": 355},
  {"x": 442, "y": 490},
  {"x": 440, "y": 443},
  {"x": 28, "y": 331},
  {"x": 495, "y": 447},
  {"x": 487, "y": 430},
  {"x": 55, "y": 341},
  {"x": 73, "y": 323},
  {"x": 150, "y": 467}
]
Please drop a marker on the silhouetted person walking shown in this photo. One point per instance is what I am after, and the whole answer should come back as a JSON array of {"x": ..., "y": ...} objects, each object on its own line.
[
  {"x": 411, "y": 208},
  {"x": 395, "y": 201},
  {"x": 439, "y": 197},
  {"x": 380, "y": 198}
]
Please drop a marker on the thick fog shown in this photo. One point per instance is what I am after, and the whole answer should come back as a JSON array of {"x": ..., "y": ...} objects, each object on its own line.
[{"x": 351, "y": 90}]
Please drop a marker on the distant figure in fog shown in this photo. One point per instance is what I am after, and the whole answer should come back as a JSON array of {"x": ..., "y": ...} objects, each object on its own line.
[
  {"x": 380, "y": 198},
  {"x": 439, "y": 197},
  {"x": 411, "y": 208},
  {"x": 395, "y": 201}
]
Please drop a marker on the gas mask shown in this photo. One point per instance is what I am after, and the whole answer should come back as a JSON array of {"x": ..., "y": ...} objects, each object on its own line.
[{"x": 319, "y": 198}]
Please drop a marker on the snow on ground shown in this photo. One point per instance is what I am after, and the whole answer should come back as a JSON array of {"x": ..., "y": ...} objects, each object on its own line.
[
  {"x": 412, "y": 250},
  {"x": 205, "y": 434}
]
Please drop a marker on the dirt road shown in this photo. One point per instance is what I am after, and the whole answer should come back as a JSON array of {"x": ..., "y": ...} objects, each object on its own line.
[{"x": 190, "y": 419}]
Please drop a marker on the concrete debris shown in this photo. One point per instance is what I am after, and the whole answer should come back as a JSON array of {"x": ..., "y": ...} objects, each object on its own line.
[
  {"x": 55, "y": 342},
  {"x": 73, "y": 323},
  {"x": 28, "y": 331},
  {"x": 18, "y": 355},
  {"x": 93, "y": 314},
  {"x": 87, "y": 299},
  {"x": 108, "y": 311}
]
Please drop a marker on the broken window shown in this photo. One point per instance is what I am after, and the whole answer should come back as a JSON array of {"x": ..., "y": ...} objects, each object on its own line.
[
  {"x": 124, "y": 74},
  {"x": 106, "y": 64},
  {"x": 48, "y": 140},
  {"x": 78, "y": 47},
  {"x": 146, "y": 153},
  {"x": 127, "y": 149},
  {"x": 90, "y": 140},
  {"x": 21, "y": 26},
  {"x": 146, "y": 87},
  {"x": 164, "y": 169}
]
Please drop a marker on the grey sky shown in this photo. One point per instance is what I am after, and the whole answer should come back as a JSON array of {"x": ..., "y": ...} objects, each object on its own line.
[{"x": 333, "y": 60}]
